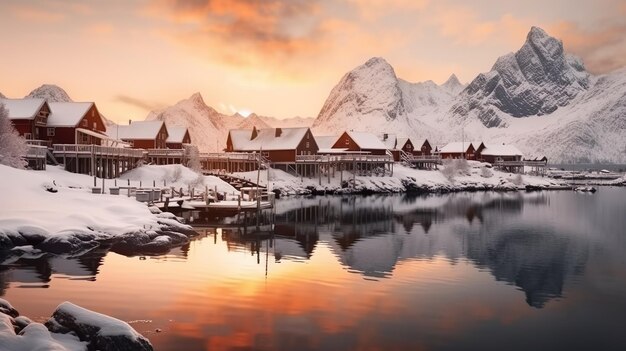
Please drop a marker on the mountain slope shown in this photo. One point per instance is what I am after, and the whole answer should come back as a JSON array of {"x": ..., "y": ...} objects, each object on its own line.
[
  {"x": 371, "y": 98},
  {"x": 539, "y": 98},
  {"x": 536, "y": 80},
  {"x": 209, "y": 128}
]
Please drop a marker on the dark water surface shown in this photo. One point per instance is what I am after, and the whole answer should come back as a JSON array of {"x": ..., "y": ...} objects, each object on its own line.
[{"x": 489, "y": 271}]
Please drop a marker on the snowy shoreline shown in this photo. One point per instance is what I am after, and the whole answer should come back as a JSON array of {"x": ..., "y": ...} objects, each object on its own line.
[{"x": 474, "y": 176}]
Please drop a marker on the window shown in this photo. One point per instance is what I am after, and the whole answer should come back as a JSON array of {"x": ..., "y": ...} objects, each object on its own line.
[
  {"x": 307, "y": 144},
  {"x": 95, "y": 125},
  {"x": 50, "y": 132},
  {"x": 347, "y": 142},
  {"x": 85, "y": 123},
  {"x": 28, "y": 136},
  {"x": 307, "y": 136}
]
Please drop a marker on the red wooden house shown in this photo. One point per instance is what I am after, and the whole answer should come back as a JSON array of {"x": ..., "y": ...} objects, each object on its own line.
[
  {"x": 279, "y": 145},
  {"x": 424, "y": 150},
  {"x": 360, "y": 142},
  {"x": 458, "y": 150},
  {"x": 27, "y": 115},
  {"x": 74, "y": 123},
  {"x": 141, "y": 134},
  {"x": 177, "y": 137},
  {"x": 498, "y": 152}
]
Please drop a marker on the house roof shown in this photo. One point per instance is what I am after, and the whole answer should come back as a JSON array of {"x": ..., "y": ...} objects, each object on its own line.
[
  {"x": 401, "y": 142},
  {"x": 138, "y": 130},
  {"x": 367, "y": 140},
  {"x": 456, "y": 147},
  {"x": 501, "y": 150},
  {"x": 67, "y": 114},
  {"x": 325, "y": 141},
  {"x": 391, "y": 142},
  {"x": 176, "y": 134},
  {"x": 22, "y": 108},
  {"x": 266, "y": 139}
]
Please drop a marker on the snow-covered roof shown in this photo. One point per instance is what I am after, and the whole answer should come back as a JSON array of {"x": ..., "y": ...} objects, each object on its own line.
[
  {"x": 455, "y": 147},
  {"x": 401, "y": 142},
  {"x": 22, "y": 108},
  {"x": 67, "y": 114},
  {"x": 367, "y": 140},
  {"x": 390, "y": 141},
  {"x": 501, "y": 150},
  {"x": 176, "y": 134},
  {"x": 325, "y": 141},
  {"x": 137, "y": 130},
  {"x": 267, "y": 139}
]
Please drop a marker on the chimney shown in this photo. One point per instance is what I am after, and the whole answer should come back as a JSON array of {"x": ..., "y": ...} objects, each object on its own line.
[
  {"x": 279, "y": 131},
  {"x": 385, "y": 136},
  {"x": 130, "y": 121},
  {"x": 254, "y": 133}
]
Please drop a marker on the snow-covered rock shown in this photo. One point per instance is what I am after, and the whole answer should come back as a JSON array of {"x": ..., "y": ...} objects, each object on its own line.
[
  {"x": 100, "y": 331},
  {"x": 50, "y": 92},
  {"x": 71, "y": 328}
]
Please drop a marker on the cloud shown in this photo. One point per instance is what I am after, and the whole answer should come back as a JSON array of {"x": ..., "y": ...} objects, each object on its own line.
[
  {"x": 603, "y": 49},
  {"x": 100, "y": 29},
  {"x": 143, "y": 104},
  {"x": 243, "y": 32}
]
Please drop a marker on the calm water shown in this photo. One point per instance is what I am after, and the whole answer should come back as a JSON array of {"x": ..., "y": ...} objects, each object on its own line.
[{"x": 540, "y": 271}]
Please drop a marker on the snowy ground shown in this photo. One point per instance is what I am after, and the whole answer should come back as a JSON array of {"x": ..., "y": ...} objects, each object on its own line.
[
  {"x": 55, "y": 212},
  {"x": 475, "y": 177}
]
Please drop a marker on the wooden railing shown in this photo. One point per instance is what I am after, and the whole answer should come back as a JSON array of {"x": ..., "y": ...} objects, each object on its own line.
[
  {"x": 80, "y": 149},
  {"x": 46, "y": 143},
  {"x": 509, "y": 163},
  {"x": 344, "y": 158},
  {"x": 240, "y": 156},
  {"x": 36, "y": 151},
  {"x": 166, "y": 152}
]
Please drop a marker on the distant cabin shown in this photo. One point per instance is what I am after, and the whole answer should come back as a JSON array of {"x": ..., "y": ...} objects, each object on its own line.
[
  {"x": 279, "y": 145},
  {"x": 425, "y": 149},
  {"x": 177, "y": 137},
  {"x": 458, "y": 150},
  {"x": 74, "y": 123},
  {"x": 28, "y": 116},
  {"x": 498, "y": 152},
  {"x": 141, "y": 134},
  {"x": 360, "y": 142}
]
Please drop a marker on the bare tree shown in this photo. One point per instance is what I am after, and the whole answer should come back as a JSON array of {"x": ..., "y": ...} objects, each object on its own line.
[{"x": 13, "y": 147}]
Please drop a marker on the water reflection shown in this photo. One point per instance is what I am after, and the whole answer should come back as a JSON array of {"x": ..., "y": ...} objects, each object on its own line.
[{"x": 372, "y": 235}]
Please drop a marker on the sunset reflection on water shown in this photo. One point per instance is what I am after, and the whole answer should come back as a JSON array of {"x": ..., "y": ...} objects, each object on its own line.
[{"x": 446, "y": 272}]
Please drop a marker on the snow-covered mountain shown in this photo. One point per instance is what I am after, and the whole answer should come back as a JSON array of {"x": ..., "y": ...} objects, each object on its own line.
[
  {"x": 2, "y": 96},
  {"x": 536, "y": 80},
  {"x": 209, "y": 128},
  {"x": 51, "y": 92},
  {"x": 539, "y": 98}
]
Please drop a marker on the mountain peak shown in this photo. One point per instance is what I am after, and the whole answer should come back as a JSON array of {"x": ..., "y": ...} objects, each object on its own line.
[
  {"x": 536, "y": 80},
  {"x": 51, "y": 92},
  {"x": 375, "y": 61},
  {"x": 196, "y": 97},
  {"x": 453, "y": 81}
]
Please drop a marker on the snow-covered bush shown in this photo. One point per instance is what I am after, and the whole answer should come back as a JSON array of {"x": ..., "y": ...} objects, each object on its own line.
[
  {"x": 518, "y": 180},
  {"x": 485, "y": 172},
  {"x": 452, "y": 168},
  {"x": 13, "y": 147},
  {"x": 193, "y": 157},
  {"x": 177, "y": 173}
]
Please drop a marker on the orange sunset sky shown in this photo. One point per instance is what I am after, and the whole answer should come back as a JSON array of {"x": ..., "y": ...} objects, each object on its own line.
[{"x": 276, "y": 58}]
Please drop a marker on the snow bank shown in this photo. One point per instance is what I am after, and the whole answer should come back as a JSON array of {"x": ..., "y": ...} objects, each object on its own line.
[
  {"x": 71, "y": 328},
  {"x": 404, "y": 179},
  {"x": 46, "y": 211}
]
